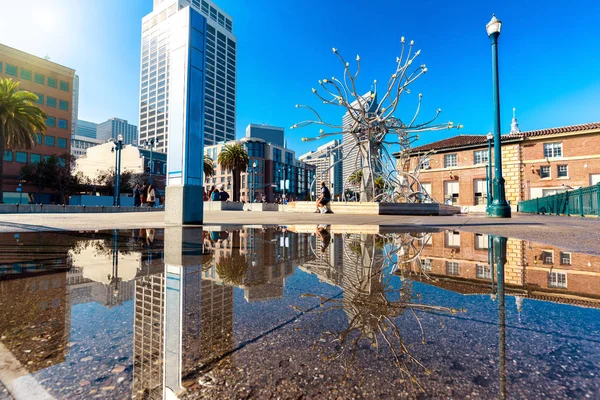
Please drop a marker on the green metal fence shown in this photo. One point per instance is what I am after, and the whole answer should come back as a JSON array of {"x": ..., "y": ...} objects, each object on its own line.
[{"x": 582, "y": 201}]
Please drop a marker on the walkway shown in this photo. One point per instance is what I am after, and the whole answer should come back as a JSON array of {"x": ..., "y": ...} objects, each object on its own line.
[{"x": 574, "y": 233}]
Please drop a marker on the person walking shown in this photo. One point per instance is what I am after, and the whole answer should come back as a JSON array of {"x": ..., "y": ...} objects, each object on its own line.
[
  {"x": 143, "y": 194},
  {"x": 137, "y": 197},
  {"x": 223, "y": 195},
  {"x": 323, "y": 199},
  {"x": 151, "y": 196}
]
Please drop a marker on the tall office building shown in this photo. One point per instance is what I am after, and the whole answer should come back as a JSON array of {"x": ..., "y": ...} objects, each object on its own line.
[
  {"x": 86, "y": 129},
  {"x": 351, "y": 160},
  {"x": 113, "y": 127},
  {"x": 75, "y": 106},
  {"x": 53, "y": 84},
  {"x": 270, "y": 134},
  {"x": 159, "y": 29},
  {"x": 325, "y": 159}
]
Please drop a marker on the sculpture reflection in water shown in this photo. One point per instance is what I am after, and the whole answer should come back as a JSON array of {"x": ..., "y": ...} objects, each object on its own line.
[{"x": 376, "y": 301}]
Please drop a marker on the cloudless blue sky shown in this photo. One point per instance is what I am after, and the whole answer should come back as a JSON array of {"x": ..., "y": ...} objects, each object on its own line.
[{"x": 549, "y": 56}]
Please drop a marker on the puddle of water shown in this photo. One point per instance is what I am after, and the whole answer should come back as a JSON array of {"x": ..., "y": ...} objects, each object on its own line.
[{"x": 293, "y": 311}]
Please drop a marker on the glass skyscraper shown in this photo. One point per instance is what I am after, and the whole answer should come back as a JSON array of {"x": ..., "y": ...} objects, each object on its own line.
[
  {"x": 220, "y": 71},
  {"x": 111, "y": 128}
]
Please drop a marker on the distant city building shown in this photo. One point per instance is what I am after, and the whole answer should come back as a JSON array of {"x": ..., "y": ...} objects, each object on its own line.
[
  {"x": 274, "y": 164},
  {"x": 210, "y": 30},
  {"x": 324, "y": 159},
  {"x": 351, "y": 160},
  {"x": 75, "y": 107},
  {"x": 53, "y": 84},
  {"x": 101, "y": 158},
  {"x": 270, "y": 134},
  {"x": 86, "y": 129},
  {"x": 534, "y": 164},
  {"x": 80, "y": 144},
  {"x": 114, "y": 127}
]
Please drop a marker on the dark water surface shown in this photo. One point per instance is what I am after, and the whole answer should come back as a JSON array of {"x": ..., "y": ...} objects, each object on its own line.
[{"x": 295, "y": 312}]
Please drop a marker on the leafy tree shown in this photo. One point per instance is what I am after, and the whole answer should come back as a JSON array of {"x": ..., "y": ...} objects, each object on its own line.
[
  {"x": 234, "y": 158},
  {"x": 209, "y": 169},
  {"x": 355, "y": 177},
  {"x": 54, "y": 173},
  {"x": 106, "y": 178},
  {"x": 20, "y": 120}
]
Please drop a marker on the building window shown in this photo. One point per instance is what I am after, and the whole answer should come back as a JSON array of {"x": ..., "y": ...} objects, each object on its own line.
[
  {"x": 38, "y": 138},
  {"x": 11, "y": 70},
  {"x": 49, "y": 141},
  {"x": 426, "y": 163},
  {"x": 63, "y": 105},
  {"x": 21, "y": 157},
  {"x": 0, "y": 67},
  {"x": 51, "y": 121},
  {"x": 452, "y": 239},
  {"x": 25, "y": 74},
  {"x": 39, "y": 78},
  {"x": 548, "y": 257},
  {"x": 557, "y": 280},
  {"x": 64, "y": 86},
  {"x": 480, "y": 188},
  {"x": 52, "y": 82},
  {"x": 426, "y": 264},
  {"x": 545, "y": 171},
  {"x": 7, "y": 153},
  {"x": 552, "y": 150},
  {"x": 63, "y": 123},
  {"x": 480, "y": 157},
  {"x": 484, "y": 272},
  {"x": 452, "y": 268},
  {"x": 450, "y": 160},
  {"x": 563, "y": 171},
  {"x": 40, "y": 99},
  {"x": 451, "y": 192},
  {"x": 565, "y": 258},
  {"x": 35, "y": 158},
  {"x": 61, "y": 142},
  {"x": 50, "y": 101},
  {"x": 481, "y": 241}
]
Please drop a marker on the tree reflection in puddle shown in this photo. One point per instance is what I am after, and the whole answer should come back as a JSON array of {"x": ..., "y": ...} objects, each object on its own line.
[{"x": 376, "y": 301}]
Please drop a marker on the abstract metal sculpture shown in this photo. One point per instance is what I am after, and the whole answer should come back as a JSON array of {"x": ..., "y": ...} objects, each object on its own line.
[{"x": 374, "y": 129}]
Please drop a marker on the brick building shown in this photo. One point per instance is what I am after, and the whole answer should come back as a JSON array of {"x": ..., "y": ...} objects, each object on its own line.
[
  {"x": 53, "y": 84},
  {"x": 534, "y": 164},
  {"x": 459, "y": 262}
]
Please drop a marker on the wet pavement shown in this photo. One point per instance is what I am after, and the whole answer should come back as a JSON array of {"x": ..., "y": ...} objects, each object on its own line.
[{"x": 295, "y": 312}]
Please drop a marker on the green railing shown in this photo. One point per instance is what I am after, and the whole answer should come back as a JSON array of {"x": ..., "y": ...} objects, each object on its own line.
[{"x": 582, "y": 201}]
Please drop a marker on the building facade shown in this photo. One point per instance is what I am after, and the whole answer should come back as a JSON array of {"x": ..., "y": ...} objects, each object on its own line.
[
  {"x": 534, "y": 164},
  {"x": 218, "y": 85},
  {"x": 75, "y": 106},
  {"x": 80, "y": 144},
  {"x": 270, "y": 134},
  {"x": 53, "y": 84},
  {"x": 113, "y": 127},
  {"x": 458, "y": 261},
  {"x": 324, "y": 159},
  {"x": 86, "y": 129},
  {"x": 350, "y": 153},
  {"x": 274, "y": 165}
]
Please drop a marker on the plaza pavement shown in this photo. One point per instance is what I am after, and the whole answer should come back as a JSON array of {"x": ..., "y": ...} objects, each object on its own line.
[{"x": 572, "y": 233}]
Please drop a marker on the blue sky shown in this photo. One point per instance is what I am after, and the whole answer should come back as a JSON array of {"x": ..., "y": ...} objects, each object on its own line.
[{"x": 549, "y": 56}]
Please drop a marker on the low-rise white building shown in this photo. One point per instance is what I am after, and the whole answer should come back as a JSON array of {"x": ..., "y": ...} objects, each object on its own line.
[{"x": 101, "y": 158}]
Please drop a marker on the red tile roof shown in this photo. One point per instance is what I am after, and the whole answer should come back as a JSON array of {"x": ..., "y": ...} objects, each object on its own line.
[{"x": 474, "y": 140}]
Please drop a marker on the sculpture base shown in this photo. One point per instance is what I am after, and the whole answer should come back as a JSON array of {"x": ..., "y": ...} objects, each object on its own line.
[
  {"x": 184, "y": 205},
  {"x": 373, "y": 208}
]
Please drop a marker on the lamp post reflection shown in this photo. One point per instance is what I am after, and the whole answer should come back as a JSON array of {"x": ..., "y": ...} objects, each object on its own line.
[{"x": 499, "y": 252}]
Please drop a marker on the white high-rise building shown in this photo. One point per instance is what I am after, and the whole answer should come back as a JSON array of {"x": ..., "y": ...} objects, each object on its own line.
[
  {"x": 219, "y": 89},
  {"x": 325, "y": 159},
  {"x": 352, "y": 161}
]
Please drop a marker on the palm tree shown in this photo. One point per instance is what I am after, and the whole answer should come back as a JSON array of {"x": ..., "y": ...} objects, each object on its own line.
[
  {"x": 20, "y": 120},
  {"x": 209, "y": 168},
  {"x": 379, "y": 182},
  {"x": 355, "y": 177},
  {"x": 234, "y": 158}
]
